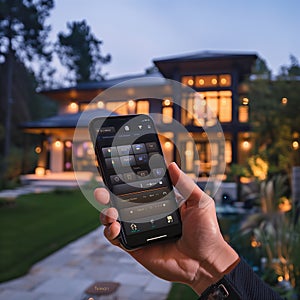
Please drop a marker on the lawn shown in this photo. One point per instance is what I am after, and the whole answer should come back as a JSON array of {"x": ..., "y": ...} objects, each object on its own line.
[{"x": 39, "y": 224}]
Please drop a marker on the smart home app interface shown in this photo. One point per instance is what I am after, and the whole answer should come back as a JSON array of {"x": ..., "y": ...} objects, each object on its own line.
[{"x": 135, "y": 172}]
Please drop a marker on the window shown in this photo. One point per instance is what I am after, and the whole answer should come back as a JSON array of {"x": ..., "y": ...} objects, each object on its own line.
[
  {"x": 244, "y": 110},
  {"x": 142, "y": 107},
  {"x": 119, "y": 107},
  {"x": 225, "y": 112},
  {"x": 207, "y": 81},
  {"x": 228, "y": 151},
  {"x": 203, "y": 109},
  {"x": 188, "y": 80},
  {"x": 167, "y": 111}
]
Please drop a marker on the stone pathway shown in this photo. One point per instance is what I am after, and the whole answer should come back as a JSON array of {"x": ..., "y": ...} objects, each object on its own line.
[
  {"x": 23, "y": 190},
  {"x": 67, "y": 273}
]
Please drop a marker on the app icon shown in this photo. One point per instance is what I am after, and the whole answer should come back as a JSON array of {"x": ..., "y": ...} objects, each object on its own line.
[
  {"x": 133, "y": 227},
  {"x": 170, "y": 219}
]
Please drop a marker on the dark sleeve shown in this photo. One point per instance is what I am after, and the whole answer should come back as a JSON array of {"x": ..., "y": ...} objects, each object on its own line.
[{"x": 240, "y": 284}]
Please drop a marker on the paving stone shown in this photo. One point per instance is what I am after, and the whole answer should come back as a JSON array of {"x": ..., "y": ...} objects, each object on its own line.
[
  {"x": 133, "y": 279},
  {"x": 157, "y": 285},
  {"x": 63, "y": 286},
  {"x": 68, "y": 272},
  {"x": 17, "y": 295}
]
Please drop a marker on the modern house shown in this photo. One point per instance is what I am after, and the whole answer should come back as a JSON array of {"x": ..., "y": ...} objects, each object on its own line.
[{"x": 219, "y": 79}]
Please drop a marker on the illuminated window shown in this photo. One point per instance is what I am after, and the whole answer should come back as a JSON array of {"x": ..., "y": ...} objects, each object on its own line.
[
  {"x": 189, "y": 156},
  {"x": 204, "y": 108},
  {"x": 206, "y": 81},
  {"x": 228, "y": 151},
  {"x": 119, "y": 107},
  {"x": 244, "y": 110},
  {"x": 212, "y": 107},
  {"x": 142, "y": 107},
  {"x": 225, "y": 109},
  {"x": 167, "y": 111},
  {"x": 225, "y": 80},
  {"x": 188, "y": 80},
  {"x": 72, "y": 108},
  {"x": 243, "y": 113}
]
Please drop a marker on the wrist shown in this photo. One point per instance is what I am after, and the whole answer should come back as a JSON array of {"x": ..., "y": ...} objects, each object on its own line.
[{"x": 215, "y": 267}]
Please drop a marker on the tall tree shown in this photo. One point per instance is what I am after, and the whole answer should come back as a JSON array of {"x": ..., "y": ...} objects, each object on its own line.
[
  {"x": 275, "y": 117},
  {"x": 23, "y": 36},
  {"x": 79, "y": 51}
]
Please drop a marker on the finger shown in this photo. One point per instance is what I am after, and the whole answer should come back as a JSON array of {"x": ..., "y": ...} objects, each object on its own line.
[
  {"x": 101, "y": 195},
  {"x": 187, "y": 188},
  {"x": 108, "y": 216},
  {"x": 112, "y": 232}
]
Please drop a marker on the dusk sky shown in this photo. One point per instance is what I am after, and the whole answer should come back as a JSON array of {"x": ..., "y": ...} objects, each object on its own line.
[{"x": 135, "y": 32}]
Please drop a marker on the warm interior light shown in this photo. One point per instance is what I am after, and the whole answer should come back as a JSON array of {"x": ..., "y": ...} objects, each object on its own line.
[
  {"x": 246, "y": 145},
  {"x": 223, "y": 81},
  {"x": 131, "y": 103},
  {"x": 245, "y": 101},
  {"x": 284, "y": 100},
  {"x": 190, "y": 82},
  {"x": 167, "y": 102},
  {"x": 201, "y": 81},
  {"x": 68, "y": 144},
  {"x": 39, "y": 171},
  {"x": 58, "y": 144},
  {"x": 214, "y": 81},
  {"x": 73, "y": 107},
  {"x": 100, "y": 104}
]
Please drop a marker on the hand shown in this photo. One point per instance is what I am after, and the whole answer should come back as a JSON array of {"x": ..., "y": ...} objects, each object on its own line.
[{"x": 200, "y": 257}]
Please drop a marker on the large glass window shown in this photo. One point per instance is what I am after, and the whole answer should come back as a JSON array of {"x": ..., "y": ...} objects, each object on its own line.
[
  {"x": 204, "y": 108},
  {"x": 244, "y": 110},
  {"x": 167, "y": 111},
  {"x": 142, "y": 107}
]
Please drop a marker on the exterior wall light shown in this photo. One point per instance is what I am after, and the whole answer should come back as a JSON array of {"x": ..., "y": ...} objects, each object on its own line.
[
  {"x": 284, "y": 100},
  {"x": 246, "y": 145},
  {"x": 38, "y": 150},
  {"x": 295, "y": 145}
]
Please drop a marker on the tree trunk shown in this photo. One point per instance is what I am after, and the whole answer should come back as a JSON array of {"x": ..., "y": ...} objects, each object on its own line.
[{"x": 9, "y": 102}]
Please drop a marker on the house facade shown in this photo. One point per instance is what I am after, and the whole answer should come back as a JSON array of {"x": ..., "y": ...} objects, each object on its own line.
[{"x": 217, "y": 77}]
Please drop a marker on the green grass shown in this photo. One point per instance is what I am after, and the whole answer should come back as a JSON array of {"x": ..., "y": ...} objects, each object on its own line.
[
  {"x": 180, "y": 291},
  {"x": 39, "y": 224}
]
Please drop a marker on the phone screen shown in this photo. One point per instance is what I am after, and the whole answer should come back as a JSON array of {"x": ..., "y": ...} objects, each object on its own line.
[{"x": 131, "y": 163}]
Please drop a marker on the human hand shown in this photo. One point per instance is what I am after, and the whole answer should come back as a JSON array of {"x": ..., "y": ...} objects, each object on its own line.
[{"x": 200, "y": 257}]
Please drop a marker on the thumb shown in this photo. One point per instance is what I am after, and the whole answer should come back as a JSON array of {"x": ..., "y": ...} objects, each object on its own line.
[{"x": 192, "y": 194}]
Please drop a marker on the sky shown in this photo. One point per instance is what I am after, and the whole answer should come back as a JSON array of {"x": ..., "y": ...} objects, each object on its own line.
[{"x": 135, "y": 32}]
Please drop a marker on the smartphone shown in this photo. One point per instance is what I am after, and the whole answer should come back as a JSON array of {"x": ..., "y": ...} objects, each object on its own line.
[{"x": 131, "y": 163}]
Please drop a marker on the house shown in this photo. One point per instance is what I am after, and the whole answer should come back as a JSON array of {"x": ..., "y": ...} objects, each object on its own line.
[{"x": 214, "y": 92}]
